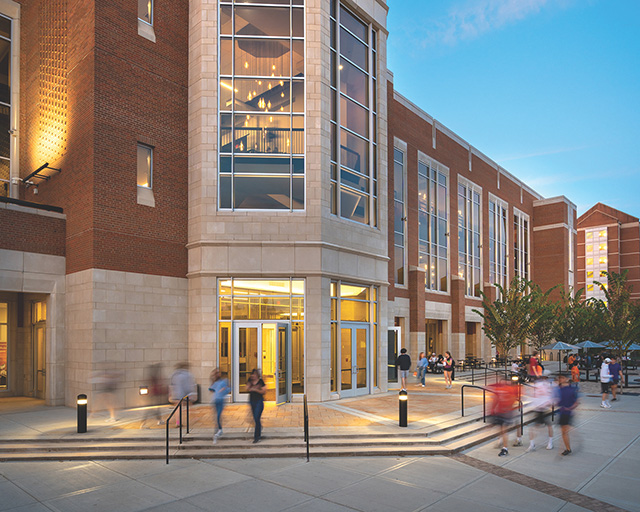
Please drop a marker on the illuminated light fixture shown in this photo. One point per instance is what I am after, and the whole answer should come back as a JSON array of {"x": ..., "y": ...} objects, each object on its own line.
[
  {"x": 246, "y": 65},
  {"x": 281, "y": 109},
  {"x": 81, "y": 400},
  {"x": 143, "y": 390},
  {"x": 340, "y": 67},
  {"x": 269, "y": 105},
  {"x": 259, "y": 83},
  {"x": 273, "y": 67},
  {"x": 248, "y": 116},
  {"x": 271, "y": 119},
  {"x": 269, "y": 85},
  {"x": 281, "y": 82},
  {"x": 282, "y": 95}
]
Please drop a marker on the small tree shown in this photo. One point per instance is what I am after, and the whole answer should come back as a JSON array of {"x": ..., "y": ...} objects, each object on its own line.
[
  {"x": 544, "y": 324},
  {"x": 574, "y": 318},
  {"x": 507, "y": 321},
  {"x": 617, "y": 318}
]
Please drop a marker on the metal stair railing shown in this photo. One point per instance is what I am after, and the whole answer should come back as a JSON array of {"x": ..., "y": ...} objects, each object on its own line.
[{"x": 178, "y": 406}]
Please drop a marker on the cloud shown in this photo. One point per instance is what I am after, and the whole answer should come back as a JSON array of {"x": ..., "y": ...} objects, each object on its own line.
[{"x": 476, "y": 17}]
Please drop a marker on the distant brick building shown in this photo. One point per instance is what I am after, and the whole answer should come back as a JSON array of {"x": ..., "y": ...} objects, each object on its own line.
[
  {"x": 238, "y": 184},
  {"x": 608, "y": 241}
]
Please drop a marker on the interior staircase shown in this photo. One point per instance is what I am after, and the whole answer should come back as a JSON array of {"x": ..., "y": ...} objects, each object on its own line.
[{"x": 444, "y": 438}]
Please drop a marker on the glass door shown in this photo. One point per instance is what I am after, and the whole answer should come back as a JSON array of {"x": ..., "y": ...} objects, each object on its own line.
[
  {"x": 39, "y": 353},
  {"x": 267, "y": 347},
  {"x": 354, "y": 357},
  {"x": 393, "y": 351},
  {"x": 283, "y": 369},
  {"x": 247, "y": 355}
]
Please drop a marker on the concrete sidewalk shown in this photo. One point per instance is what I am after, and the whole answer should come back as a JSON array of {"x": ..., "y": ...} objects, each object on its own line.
[{"x": 601, "y": 474}]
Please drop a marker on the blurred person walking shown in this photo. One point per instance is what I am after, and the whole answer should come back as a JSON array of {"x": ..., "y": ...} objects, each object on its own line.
[
  {"x": 182, "y": 384},
  {"x": 154, "y": 394},
  {"x": 106, "y": 383},
  {"x": 505, "y": 399},
  {"x": 257, "y": 389},
  {"x": 534, "y": 369},
  {"x": 543, "y": 398},
  {"x": 605, "y": 383},
  {"x": 615, "y": 370},
  {"x": 220, "y": 389},
  {"x": 567, "y": 402}
]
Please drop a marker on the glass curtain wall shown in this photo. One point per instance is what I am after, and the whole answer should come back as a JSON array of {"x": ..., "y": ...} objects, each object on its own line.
[
  {"x": 277, "y": 300},
  {"x": 469, "y": 237},
  {"x": 262, "y": 105},
  {"x": 353, "y": 304},
  {"x": 354, "y": 185},
  {"x": 498, "y": 211},
  {"x": 432, "y": 226},
  {"x": 596, "y": 262},
  {"x": 5, "y": 105},
  {"x": 400, "y": 216},
  {"x": 521, "y": 244}
]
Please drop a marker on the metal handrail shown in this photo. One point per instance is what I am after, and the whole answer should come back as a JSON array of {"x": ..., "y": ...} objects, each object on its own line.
[
  {"x": 484, "y": 404},
  {"x": 306, "y": 425},
  {"x": 178, "y": 406}
]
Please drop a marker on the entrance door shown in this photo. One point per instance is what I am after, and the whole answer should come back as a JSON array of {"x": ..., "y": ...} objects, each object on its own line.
[
  {"x": 354, "y": 357},
  {"x": 39, "y": 346},
  {"x": 267, "y": 347},
  {"x": 393, "y": 350}
]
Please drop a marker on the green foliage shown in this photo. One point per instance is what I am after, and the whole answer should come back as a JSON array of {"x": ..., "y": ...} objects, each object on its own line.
[
  {"x": 544, "y": 318},
  {"x": 617, "y": 318},
  {"x": 509, "y": 319},
  {"x": 575, "y": 318}
]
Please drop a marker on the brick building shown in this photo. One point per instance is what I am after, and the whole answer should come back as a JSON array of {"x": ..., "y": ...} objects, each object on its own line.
[
  {"x": 608, "y": 241},
  {"x": 239, "y": 186}
]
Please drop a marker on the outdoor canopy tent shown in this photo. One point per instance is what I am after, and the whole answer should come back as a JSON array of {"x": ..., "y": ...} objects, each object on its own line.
[
  {"x": 590, "y": 344},
  {"x": 561, "y": 346}
]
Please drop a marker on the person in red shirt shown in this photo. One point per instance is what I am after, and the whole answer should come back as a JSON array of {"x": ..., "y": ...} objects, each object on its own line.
[
  {"x": 534, "y": 370},
  {"x": 505, "y": 401}
]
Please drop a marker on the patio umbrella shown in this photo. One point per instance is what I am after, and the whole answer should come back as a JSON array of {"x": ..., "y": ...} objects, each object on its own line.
[
  {"x": 633, "y": 346},
  {"x": 590, "y": 344},
  {"x": 561, "y": 346}
]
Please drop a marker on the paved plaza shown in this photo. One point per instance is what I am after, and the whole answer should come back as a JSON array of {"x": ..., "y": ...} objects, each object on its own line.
[{"x": 602, "y": 473}]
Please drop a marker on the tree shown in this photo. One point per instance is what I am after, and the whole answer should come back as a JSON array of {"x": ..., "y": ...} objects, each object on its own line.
[
  {"x": 544, "y": 322},
  {"x": 574, "y": 318},
  {"x": 617, "y": 317},
  {"x": 508, "y": 320}
]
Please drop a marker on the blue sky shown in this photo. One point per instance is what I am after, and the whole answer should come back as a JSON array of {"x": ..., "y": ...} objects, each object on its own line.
[{"x": 549, "y": 89}]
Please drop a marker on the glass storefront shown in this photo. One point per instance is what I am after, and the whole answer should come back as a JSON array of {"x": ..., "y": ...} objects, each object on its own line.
[
  {"x": 354, "y": 335},
  {"x": 261, "y": 325},
  {"x": 262, "y": 104}
]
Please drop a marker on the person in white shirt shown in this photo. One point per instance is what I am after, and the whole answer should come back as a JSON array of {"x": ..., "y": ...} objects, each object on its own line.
[
  {"x": 542, "y": 401},
  {"x": 605, "y": 383}
]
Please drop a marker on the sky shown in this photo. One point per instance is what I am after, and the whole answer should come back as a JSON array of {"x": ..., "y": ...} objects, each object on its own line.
[{"x": 548, "y": 89}]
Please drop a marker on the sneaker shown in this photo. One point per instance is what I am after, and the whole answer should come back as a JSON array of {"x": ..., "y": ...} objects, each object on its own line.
[
  {"x": 532, "y": 448},
  {"x": 503, "y": 452},
  {"x": 215, "y": 439},
  {"x": 603, "y": 405},
  {"x": 218, "y": 434},
  {"x": 256, "y": 441},
  {"x": 607, "y": 405},
  {"x": 566, "y": 452},
  {"x": 550, "y": 446},
  {"x": 517, "y": 442},
  {"x": 614, "y": 399},
  {"x": 422, "y": 385}
]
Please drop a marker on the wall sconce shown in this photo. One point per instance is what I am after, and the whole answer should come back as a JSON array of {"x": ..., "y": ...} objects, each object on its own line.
[{"x": 143, "y": 390}]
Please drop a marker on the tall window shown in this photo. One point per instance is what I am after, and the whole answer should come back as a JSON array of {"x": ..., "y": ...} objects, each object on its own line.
[
  {"x": 262, "y": 103},
  {"x": 353, "y": 117},
  {"x": 521, "y": 244},
  {"x": 432, "y": 222},
  {"x": 4, "y": 333},
  {"x": 145, "y": 11},
  {"x": 498, "y": 229},
  {"x": 145, "y": 165},
  {"x": 5, "y": 105},
  {"x": 469, "y": 236},
  {"x": 596, "y": 261},
  {"x": 400, "y": 216}
]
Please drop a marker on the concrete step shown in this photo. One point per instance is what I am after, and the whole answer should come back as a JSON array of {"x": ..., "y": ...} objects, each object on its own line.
[{"x": 446, "y": 438}]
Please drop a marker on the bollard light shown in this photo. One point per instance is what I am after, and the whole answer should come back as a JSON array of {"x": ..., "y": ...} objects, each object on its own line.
[
  {"x": 143, "y": 390},
  {"x": 81, "y": 403},
  {"x": 403, "y": 398},
  {"x": 515, "y": 378}
]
